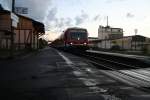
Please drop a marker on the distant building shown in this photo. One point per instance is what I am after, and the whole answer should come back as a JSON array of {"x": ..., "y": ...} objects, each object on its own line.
[
  {"x": 135, "y": 42},
  {"x": 93, "y": 41},
  {"x": 109, "y": 33}
]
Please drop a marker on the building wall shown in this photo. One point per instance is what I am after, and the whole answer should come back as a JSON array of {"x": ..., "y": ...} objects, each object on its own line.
[
  {"x": 115, "y": 36},
  {"x": 127, "y": 43},
  {"x": 123, "y": 43},
  {"x": 5, "y": 28},
  {"x": 22, "y": 38},
  {"x": 105, "y": 44},
  {"x": 4, "y": 40},
  {"x": 103, "y": 32},
  {"x": 24, "y": 34},
  {"x": 35, "y": 40},
  {"x": 25, "y": 23},
  {"x": 5, "y": 21}
]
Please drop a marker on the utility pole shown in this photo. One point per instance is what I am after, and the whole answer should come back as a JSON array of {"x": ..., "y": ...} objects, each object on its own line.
[
  {"x": 122, "y": 40},
  {"x": 12, "y": 31},
  {"x": 107, "y": 20},
  {"x": 136, "y": 30},
  {"x": 13, "y": 6}
]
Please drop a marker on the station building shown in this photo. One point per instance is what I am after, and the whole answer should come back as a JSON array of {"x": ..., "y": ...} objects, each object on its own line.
[{"x": 25, "y": 34}]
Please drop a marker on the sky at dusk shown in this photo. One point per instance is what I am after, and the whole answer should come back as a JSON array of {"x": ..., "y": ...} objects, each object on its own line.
[{"x": 57, "y": 15}]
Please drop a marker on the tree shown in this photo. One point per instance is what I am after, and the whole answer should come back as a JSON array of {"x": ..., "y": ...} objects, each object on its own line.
[{"x": 42, "y": 43}]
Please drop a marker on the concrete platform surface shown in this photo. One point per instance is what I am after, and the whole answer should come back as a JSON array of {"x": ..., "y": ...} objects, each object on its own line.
[{"x": 55, "y": 75}]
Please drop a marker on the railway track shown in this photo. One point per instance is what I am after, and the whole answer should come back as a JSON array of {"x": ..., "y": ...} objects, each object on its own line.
[{"x": 132, "y": 75}]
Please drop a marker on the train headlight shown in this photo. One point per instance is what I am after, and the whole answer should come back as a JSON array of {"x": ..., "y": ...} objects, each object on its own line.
[
  {"x": 85, "y": 43},
  {"x": 71, "y": 43}
]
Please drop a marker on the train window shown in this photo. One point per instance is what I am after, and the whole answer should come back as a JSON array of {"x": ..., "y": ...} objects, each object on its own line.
[{"x": 78, "y": 35}]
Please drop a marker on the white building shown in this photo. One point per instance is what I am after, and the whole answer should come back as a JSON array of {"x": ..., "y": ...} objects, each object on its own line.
[{"x": 109, "y": 33}]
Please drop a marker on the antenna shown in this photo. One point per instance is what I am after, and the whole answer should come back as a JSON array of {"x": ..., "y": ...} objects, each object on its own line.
[
  {"x": 135, "y": 31},
  {"x": 107, "y": 20}
]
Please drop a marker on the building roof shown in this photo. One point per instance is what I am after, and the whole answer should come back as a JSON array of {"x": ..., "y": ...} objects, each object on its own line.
[
  {"x": 37, "y": 25},
  {"x": 76, "y": 28},
  {"x": 1, "y": 8},
  {"x": 109, "y": 27},
  {"x": 4, "y": 11},
  {"x": 134, "y": 36}
]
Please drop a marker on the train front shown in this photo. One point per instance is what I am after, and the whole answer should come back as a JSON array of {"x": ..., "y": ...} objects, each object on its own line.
[{"x": 77, "y": 39}]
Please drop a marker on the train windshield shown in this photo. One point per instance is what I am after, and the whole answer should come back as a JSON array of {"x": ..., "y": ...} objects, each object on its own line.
[{"x": 78, "y": 35}]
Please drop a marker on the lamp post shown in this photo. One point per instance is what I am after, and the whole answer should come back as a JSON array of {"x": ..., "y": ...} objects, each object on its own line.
[
  {"x": 122, "y": 40},
  {"x": 136, "y": 30},
  {"x": 12, "y": 31}
]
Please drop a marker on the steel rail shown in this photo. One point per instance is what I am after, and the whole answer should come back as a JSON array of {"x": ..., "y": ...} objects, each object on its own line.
[
  {"x": 122, "y": 64},
  {"x": 135, "y": 79},
  {"x": 128, "y": 78}
]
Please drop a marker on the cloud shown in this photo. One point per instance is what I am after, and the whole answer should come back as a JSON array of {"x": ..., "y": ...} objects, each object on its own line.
[
  {"x": 97, "y": 18},
  {"x": 129, "y": 15},
  {"x": 111, "y": 1},
  {"x": 44, "y": 11},
  {"x": 63, "y": 23},
  {"x": 81, "y": 18},
  {"x": 37, "y": 9},
  {"x": 58, "y": 24},
  {"x": 69, "y": 21},
  {"x": 6, "y": 4},
  {"x": 52, "y": 14},
  {"x": 55, "y": 23},
  {"x": 41, "y": 10}
]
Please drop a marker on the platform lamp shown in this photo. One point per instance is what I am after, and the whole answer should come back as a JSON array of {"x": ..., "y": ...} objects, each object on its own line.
[{"x": 135, "y": 30}]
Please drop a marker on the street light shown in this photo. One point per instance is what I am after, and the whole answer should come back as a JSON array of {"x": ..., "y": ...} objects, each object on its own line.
[{"x": 135, "y": 30}]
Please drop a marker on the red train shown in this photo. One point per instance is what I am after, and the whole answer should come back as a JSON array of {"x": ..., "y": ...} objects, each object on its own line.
[{"x": 72, "y": 38}]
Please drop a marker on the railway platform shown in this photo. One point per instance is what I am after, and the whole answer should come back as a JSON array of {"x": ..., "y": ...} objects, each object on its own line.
[
  {"x": 145, "y": 59},
  {"x": 120, "y": 55},
  {"x": 55, "y": 75}
]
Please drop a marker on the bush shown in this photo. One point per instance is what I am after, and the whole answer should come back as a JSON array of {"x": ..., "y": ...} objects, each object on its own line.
[
  {"x": 42, "y": 43},
  {"x": 145, "y": 50},
  {"x": 115, "y": 47}
]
